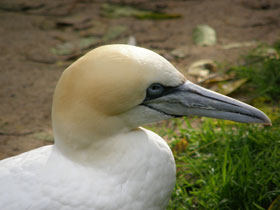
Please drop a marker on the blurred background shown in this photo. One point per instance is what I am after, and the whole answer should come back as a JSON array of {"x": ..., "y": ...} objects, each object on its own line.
[{"x": 230, "y": 46}]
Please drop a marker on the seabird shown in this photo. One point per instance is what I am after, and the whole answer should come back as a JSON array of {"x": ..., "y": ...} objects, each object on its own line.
[{"x": 101, "y": 158}]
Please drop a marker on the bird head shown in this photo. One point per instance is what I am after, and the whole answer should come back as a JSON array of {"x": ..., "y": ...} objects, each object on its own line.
[{"x": 116, "y": 88}]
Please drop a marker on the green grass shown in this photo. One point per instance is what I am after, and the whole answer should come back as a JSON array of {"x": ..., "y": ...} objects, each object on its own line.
[
  {"x": 225, "y": 165},
  {"x": 262, "y": 69}
]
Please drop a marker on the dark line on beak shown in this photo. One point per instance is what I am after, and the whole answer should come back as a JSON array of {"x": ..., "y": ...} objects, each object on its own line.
[{"x": 162, "y": 112}]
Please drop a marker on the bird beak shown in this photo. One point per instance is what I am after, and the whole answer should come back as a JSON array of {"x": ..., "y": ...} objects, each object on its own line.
[{"x": 189, "y": 99}]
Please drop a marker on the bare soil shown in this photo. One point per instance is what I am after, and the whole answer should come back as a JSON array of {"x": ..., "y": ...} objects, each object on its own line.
[{"x": 29, "y": 29}]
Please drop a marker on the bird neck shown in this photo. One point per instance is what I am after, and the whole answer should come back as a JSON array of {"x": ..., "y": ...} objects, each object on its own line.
[{"x": 84, "y": 132}]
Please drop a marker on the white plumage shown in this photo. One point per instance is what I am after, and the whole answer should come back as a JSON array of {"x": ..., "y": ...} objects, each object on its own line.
[{"x": 138, "y": 174}]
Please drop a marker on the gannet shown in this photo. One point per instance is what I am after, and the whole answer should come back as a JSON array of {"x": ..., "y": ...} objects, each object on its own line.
[{"x": 101, "y": 158}]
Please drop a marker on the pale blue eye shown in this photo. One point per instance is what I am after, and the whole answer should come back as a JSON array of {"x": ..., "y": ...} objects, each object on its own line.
[{"x": 155, "y": 89}]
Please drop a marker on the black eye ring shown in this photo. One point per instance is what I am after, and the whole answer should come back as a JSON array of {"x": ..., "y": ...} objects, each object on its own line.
[{"x": 155, "y": 89}]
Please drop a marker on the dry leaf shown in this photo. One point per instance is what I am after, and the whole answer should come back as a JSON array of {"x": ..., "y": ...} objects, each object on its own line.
[
  {"x": 180, "y": 52},
  {"x": 204, "y": 35},
  {"x": 228, "y": 87},
  {"x": 239, "y": 45},
  {"x": 181, "y": 146},
  {"x": 201, "y": 69}
]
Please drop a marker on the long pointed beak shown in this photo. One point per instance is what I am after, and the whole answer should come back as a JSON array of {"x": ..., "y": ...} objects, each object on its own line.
[{"x": 193, "y": 100}]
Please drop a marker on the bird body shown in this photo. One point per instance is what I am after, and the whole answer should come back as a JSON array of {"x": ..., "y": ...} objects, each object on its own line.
[
  {"x": 102, "y": 159},
  {"x": 139, "y": 174}
]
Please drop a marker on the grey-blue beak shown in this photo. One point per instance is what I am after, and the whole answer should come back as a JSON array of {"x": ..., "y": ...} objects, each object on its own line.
[{"x": 190, "y": 99}]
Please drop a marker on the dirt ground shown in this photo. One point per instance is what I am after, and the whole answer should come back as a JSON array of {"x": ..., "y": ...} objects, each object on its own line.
[{"x": 31, "y": 29}]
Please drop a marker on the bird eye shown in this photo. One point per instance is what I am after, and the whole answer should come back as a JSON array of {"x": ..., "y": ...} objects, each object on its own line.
[{"x": 155, "y": 90}]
